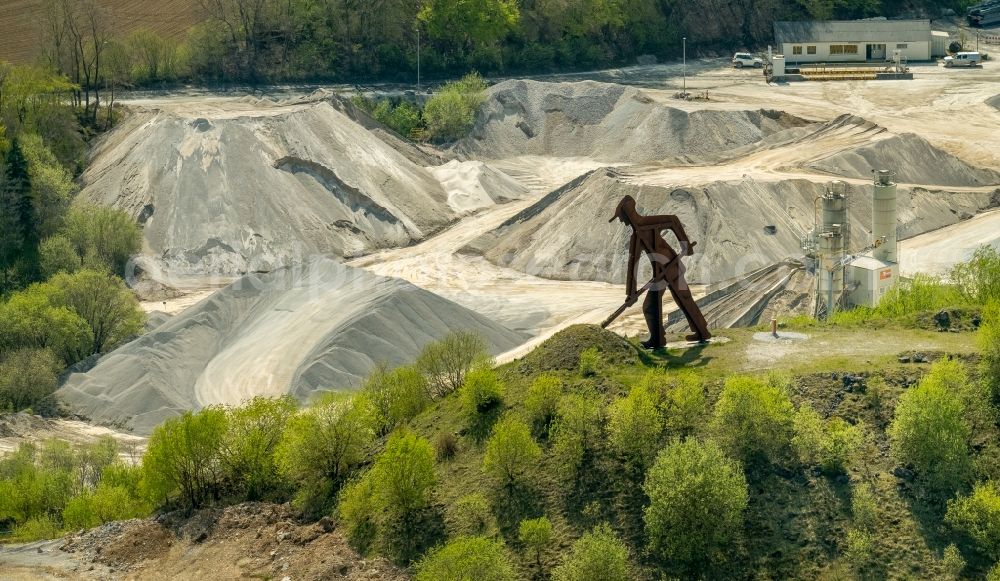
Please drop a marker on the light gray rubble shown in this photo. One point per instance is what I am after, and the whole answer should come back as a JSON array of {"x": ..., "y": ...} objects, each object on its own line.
[
  {"x": 317, "y": 326},
  {"x": 739, "y": 225},
  {"x": 913, "y": 160},
  {"x": 610, "y": 123},
  {"x": 246, "y": 190}
]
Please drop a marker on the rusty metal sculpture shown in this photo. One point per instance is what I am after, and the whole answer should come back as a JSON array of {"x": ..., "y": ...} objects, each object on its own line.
[{"x": 668, "y": 273}]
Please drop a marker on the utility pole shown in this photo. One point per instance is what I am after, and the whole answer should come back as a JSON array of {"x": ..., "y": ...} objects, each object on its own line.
[
  {"x": 418, "y": 56},
  {"x": 685, "y": 65}
]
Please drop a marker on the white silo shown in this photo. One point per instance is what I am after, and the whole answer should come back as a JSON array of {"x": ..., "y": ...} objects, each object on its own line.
[
  {"x": 833, "y": 241},
  {"x": 884, "y": 217}
]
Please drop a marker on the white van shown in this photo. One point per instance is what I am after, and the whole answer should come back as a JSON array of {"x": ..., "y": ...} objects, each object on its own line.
[{"x": 964, "y": 59}]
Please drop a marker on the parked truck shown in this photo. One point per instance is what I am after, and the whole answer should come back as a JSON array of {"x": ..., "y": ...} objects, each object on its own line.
[{"x": 985, "y": 14}]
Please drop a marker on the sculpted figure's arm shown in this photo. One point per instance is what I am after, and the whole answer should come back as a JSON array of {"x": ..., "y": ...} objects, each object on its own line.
[
  {"x": 672, "y": 223},
  {"x": 633, "y": 257}
]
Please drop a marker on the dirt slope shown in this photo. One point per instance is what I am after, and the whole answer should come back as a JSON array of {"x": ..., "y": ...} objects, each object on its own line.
[
  {"x": 244, "y": 186},
  {"x": 21, "y": 19},
  {"x": 319, "y": 326},
  {"x": 246, "y": 541},
  {"x": 610, "y": 123},
  {"x": 566, "y": 235},
  {"x": 914, "y": 160}
]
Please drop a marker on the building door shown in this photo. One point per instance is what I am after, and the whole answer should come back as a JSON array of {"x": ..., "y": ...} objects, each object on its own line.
[{"x": 876, "y": 52}]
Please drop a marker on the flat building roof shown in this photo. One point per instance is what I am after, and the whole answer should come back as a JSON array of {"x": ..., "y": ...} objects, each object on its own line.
[
  {"x": 870, "y": 263},
  {"x": 874, "y": 30}
]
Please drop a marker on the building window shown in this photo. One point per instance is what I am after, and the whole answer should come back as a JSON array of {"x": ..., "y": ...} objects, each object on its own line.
[
  {"x": 811, "y": 50},
  {"x": 902, "y": 46},
  {"x": 843, "y": 49},
  {"x": 796, "y": 50}
]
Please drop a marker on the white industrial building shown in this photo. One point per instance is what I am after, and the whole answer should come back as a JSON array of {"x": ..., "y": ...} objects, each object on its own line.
[
  {"x": 874, "y": 40},
  {"x": 869, "y": 277}
]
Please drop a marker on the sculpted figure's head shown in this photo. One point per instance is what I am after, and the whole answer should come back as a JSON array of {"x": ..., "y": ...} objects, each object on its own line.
[{"x": 624, "y": 211}]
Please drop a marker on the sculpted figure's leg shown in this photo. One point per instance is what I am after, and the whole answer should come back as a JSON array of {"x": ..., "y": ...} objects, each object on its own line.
[
  {"x": 652, "y": 308},
  {"x": 685, "y": 300}
]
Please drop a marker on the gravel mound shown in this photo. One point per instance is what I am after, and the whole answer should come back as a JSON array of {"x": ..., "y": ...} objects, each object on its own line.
[
  {"x": 317, "y": 326},
  {"x": 739, "y": 226},
  {"x": 914, "y": 160},
  {"x": 611, "y": 123},
  {"x": 239, "y": 191},
  {"x": 473, "y": 185}
]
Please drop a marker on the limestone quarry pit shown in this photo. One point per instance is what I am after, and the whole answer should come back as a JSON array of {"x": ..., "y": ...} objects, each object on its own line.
[{"x": 291, "y": 243}]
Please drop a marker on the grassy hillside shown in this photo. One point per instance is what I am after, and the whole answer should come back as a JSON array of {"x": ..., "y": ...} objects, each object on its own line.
[
  {"x": 863, "y": 448},
  {"x": 798, "y": 517},
  {"x": 20, "y": 21}
]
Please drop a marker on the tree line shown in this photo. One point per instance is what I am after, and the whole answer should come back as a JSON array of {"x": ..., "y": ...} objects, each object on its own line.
[
  {"x": 62, "y": 298},
  {"x": 266, "y": 41}
]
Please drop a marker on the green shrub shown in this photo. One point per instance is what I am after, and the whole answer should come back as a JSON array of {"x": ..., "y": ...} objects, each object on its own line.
[
  {"x": 37, "y": 528},
  {"x": 635, "y": 426},
  {"x": 542, "y": 402},
  {"x": 536, "y": 536},
  {"x": 596, "y": 556},
  {"x": 471, "y": 516},
  {"x": 978, "y": 516},
  {"x": 978, "y": 279},
  {"x": 104, "y": 504},
  {"x": 951, "y": 376},
  {"x": 574, "y": 433},
  {"x": 686, "y": 404},
  {"x": 404, "y": 474},
  {"x": 451, "y": 113},
  {"x": 753, "y": 419},
  {"x": 104, "y": 238},
  {"x": 864, "y": 507},
  {"x": 590, "y": 362},
  {"x": 28, "y": 378},
  {"x": 253, "y": 431},
  {"x": 36, "y": 481},
  {"x": 358, "y": 514},
  {"x": 55, "y": 255},
  {"x": 110, "y": 309},
  {"x": 45, "y": 487},
  {"x": 994, "y": 573},
  {"x": 481, "y": 392},
  {"x": 988, "y": 340},
  {"x": 446, "y": 362},
  {"x": 860, "y": 548},
  {"x": 182, "y": 457},
  {"x": 465, "y": 559},
  {"x": 322, "y": 446},
  {"x": 952, "y": 562},
  {"x": 30, "y": 319},
  {"x": 920, "y": 294},
  {"x": 696, "y": 501},
  {"x": 930, "y": 433},
  {"x": 510, "y": 451},
  {"x": 52, "y": 185},
  {"x": 404, "y": 118},
  {"x": 829, "y": 444},
  {"x": 396, "y": 396},
  {"x": 383, "y": 507}
]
